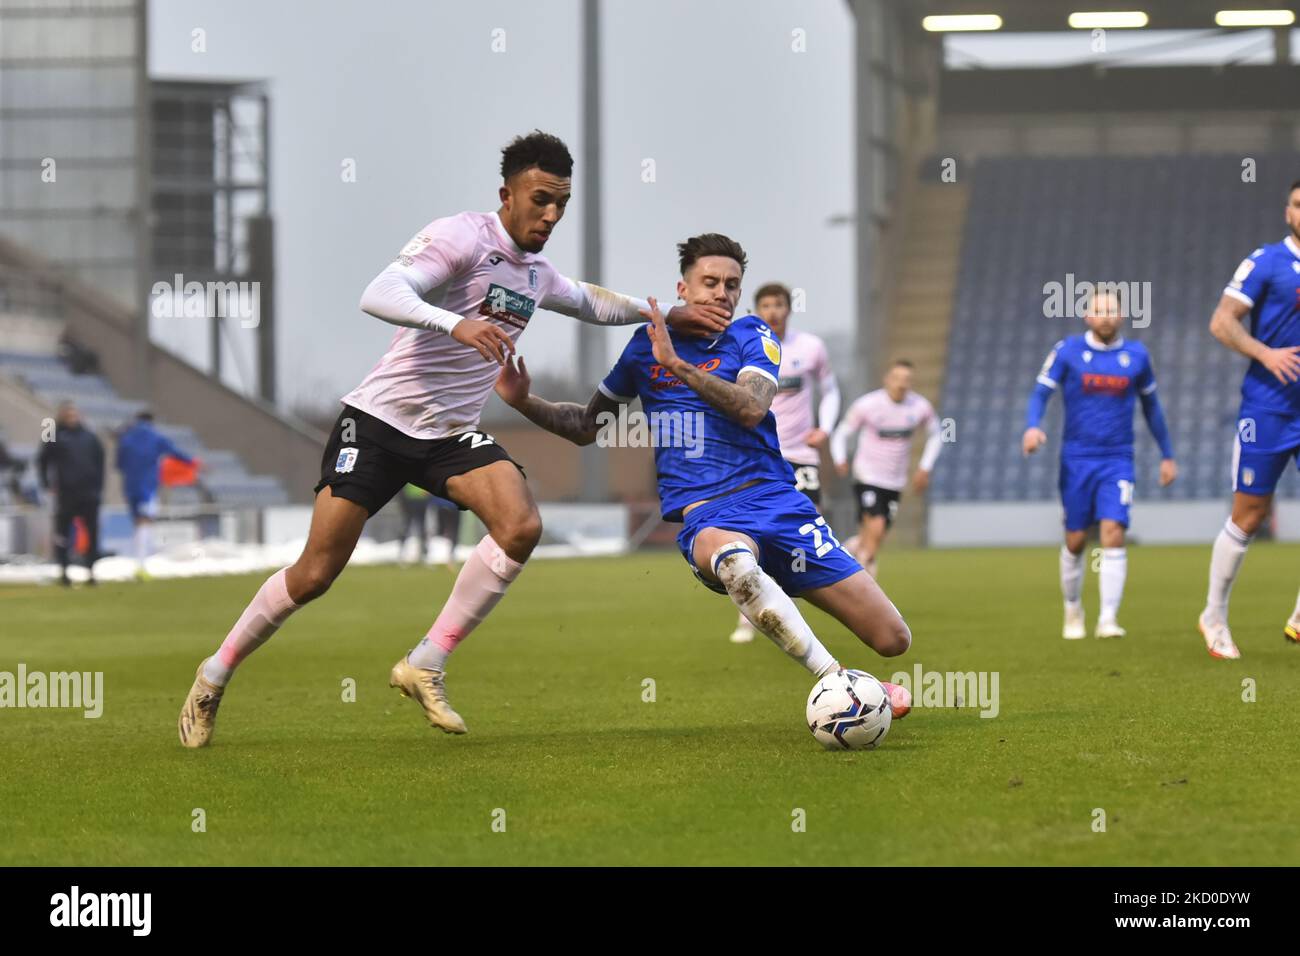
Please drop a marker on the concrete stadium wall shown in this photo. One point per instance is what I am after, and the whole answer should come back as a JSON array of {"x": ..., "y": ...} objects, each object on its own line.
[{"x": 1038, "y": 523}]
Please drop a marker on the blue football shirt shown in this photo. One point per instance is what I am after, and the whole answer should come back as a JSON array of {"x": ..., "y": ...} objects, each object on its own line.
[
  {"x": 1268, "y": 280},
  {"x": 699, "y": 451},
  {"x": 1099, "y": 385}
]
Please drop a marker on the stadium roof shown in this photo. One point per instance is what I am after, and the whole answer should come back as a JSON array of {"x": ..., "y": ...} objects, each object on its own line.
[{"x": 1020, "y": 16}]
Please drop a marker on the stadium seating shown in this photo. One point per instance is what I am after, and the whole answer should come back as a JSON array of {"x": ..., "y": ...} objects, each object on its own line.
[
  {"x": 1180, "y": 223},
  {"x": 224, "y": 478}
]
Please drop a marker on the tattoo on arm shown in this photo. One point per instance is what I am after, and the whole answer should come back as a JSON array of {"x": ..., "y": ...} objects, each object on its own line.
[
  {"x": 745, "y": 401},
  {"x": 578, "y": 423}
]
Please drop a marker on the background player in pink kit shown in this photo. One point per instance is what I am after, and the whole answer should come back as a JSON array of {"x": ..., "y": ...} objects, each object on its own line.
[
  {"x": 803, "y": 422},
  {"x": 461, "y": 291},
  {"x": 885, "y": 422}
]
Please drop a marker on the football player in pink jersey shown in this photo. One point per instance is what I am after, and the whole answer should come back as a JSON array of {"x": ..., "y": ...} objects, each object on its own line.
[
  {"x": 885, "y": 422},
  {"x": 460, "y": 292},
  {"x": 803, "y": 426}
]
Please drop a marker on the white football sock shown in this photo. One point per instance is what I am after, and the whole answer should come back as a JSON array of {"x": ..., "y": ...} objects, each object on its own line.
[
  {"x": 143, "y": 540},
  {"x": 770, "y": 609},
  {"x": 1295, "y": 615},
  {"x": 1071, "y": 575},
  {"x": 1114, "y": 568},
  {"x": 1225, "y": 561}
]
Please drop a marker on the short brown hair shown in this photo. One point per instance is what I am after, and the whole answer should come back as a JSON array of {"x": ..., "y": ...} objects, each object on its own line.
[
  {"x": 770, "y": 289},
  {"x": 904, "y": 363},
  {"x": 710, "y": 244}
]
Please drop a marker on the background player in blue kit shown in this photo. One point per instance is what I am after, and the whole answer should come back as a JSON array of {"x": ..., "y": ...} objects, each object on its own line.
[
  {"x": 747, "y": 532},
  {"x": 1099, "y": 375},
  {"x": 1267, "y": 287},
  {"x": 140, "y": 451}
]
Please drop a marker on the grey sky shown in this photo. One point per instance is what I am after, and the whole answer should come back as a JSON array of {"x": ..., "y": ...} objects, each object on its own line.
[{"x": 747, "y": 136}]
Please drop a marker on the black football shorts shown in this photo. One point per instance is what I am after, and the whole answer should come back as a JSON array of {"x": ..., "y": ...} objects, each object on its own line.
[
  {"x": 377, "y": 461},
  {"x": 808, "y": 479},
  {"x": 876, "y": 502}
]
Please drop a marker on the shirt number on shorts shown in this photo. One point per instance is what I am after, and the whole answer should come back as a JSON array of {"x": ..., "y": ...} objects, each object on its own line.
[
  {"x": 821, "y": 546},
  {"x": 1125, "y": 492},
  {"x": 477, "y": 439}
]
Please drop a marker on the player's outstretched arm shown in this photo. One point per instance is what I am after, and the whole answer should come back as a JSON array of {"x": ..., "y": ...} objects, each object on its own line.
[
  {"x": 1049, "y": 379},
  {"x": 929, "y": 454},
  {"x": 1227, "y": 325},
  {"x": 578, "y": 423},
  {"x": 598, "y": 306},
  {"x": 1034, "y": 437},
  {"x": 840, "y": 439},
  {"x": 746, "y": 400},
  {"x": 1154, "y": 414}
]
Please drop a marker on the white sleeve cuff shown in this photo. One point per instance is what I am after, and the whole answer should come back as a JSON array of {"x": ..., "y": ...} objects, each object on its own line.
[
  {"x": 621, "y": 399},
  {"x": 761, "y": 371},
  {"x": 1044, "y": 380},
  {"x": 1239, "y": 296}
]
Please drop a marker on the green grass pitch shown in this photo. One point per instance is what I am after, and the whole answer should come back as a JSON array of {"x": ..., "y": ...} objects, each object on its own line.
[{"x": 1150, "y": 729}]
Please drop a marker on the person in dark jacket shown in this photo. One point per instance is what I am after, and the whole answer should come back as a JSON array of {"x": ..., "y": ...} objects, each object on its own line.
[{"x": 72, "y": 468}]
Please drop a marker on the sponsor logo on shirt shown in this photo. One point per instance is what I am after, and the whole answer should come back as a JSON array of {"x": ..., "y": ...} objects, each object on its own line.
[
  {"x": 510, "y": 307},
  {"x": 905, "y": 432},
  {"x": 661, "y": 378},
  {"x": 1095, "y": 383},
  {"x": 789, "y": 383}
]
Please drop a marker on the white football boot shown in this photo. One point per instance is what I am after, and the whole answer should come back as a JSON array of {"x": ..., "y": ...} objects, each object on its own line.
[
  {"x": 1218, "y": 639},
  {"x": 744, "y": 632},
  {"x": 1109, "y": 628},
  {"x": 1075, "y": 629}
]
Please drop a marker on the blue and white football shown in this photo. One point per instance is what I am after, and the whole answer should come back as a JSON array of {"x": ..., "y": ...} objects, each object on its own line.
[{"x": 849, "y": 710}]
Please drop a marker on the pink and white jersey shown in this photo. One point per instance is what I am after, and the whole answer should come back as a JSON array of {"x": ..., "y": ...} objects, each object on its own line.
[
  {"x": 428, "y": 385},
  {"x": 885, "y": 429},
  {"x": 804, "y": 364}
]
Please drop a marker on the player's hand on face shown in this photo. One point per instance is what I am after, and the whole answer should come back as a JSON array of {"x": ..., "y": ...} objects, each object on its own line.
[
  {"x": 1035, "y": 438},
  {"x": 514, "y": 382},
  {"x": 698, "y": 319},
  {"x": 485, "y": 337},
  {"x": 921, "y": 480},
  {"x": 1168, "y": 472},
  {"x": 816, "y": 438},
  {"x": 1284, "y": 363},
  {"x": 660, "y": 344}
]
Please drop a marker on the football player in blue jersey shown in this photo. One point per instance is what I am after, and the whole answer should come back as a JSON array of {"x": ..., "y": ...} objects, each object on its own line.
[
  {"x": 1266, "y": 286},
  {"x": 1100, "y": 376},
  {"x": 746, "y": 530}
]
